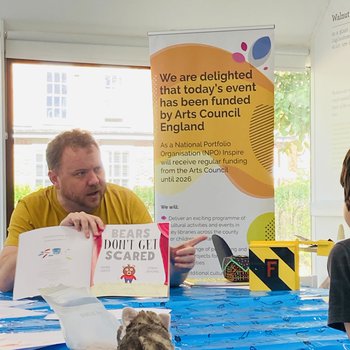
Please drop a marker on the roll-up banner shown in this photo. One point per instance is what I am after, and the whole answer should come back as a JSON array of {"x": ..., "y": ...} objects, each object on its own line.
[{"x": 213, "y": 102}]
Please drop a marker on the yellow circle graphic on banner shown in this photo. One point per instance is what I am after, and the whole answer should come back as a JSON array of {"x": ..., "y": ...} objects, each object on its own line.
[{"x": 262, "y": 228}]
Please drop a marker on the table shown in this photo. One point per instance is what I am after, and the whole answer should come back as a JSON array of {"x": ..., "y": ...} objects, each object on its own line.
[{"x": 223, "y": 318}]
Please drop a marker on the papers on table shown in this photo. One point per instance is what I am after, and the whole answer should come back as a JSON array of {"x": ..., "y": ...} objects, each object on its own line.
[
  {"x": 12, "y": 312},
  {"x": 8, "y": 309},
  {"x": 32, "y": 340},
  {"x": 117, "y": 313},
  {"x": 9, "y": 303},
  {"x": 36, "y": 340}
]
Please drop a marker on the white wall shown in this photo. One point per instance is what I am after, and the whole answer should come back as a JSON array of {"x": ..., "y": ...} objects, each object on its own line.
[
  {"x": 330, "y": 57},
  {"x": 118, "y": 50}
]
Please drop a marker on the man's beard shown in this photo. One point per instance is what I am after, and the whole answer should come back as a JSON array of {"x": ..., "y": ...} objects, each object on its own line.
[{"x": 87, "y": 202}]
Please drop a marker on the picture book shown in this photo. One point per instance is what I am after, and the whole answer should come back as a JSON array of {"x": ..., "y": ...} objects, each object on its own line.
[{"x": 126, "y": 260}]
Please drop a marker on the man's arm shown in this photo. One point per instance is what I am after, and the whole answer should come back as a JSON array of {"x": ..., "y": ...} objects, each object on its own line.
[
  {"x": 182, "y": 260},
  {"x": 8, "y": 257}
]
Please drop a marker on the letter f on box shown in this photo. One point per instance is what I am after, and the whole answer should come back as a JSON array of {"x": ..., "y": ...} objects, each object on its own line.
[{"x": 271, "y": 268}]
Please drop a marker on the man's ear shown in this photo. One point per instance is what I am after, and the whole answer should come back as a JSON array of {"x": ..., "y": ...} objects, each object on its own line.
[{"x": 53, "y": 178}]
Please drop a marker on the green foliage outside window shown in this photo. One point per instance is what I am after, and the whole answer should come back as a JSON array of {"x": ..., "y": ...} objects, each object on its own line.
[
  {"x": 292, "y": 215},
  {"x": 292, "y": 124},
  {"x": 146, "y": 194},
  {"x": 292, "y": 108},
  {"x": 21, "y": 191}
]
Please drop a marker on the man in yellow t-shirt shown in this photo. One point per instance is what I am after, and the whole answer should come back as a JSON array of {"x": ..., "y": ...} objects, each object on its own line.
[{"x": 80, "y": 197}]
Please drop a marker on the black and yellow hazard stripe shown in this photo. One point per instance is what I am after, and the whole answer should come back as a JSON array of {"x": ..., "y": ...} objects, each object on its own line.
[{"x": 274, "y": 265}]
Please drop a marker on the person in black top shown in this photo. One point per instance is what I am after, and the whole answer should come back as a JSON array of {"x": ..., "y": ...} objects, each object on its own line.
[{"x": 338, "y": 265}]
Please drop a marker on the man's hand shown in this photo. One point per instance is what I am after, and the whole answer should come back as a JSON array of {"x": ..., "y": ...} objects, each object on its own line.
[
  {"x": 183, "y": 256},
  {"x": 82, "y": 221},
  {"x": 182, "y": 259}
]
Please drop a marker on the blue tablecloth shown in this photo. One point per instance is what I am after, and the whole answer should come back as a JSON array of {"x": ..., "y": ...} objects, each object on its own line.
[{"x": 224, "y": 318}]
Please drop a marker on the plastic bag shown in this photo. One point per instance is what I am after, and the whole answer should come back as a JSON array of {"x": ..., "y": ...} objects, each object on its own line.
[{"x": 85, "y": 322}]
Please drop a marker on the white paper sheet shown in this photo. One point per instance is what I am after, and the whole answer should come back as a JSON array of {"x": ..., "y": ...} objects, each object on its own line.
[
  {"x": 12, "y": 312},
  {"x": 10, "y": 303},
  {"x": 34, "y": 340},
  {"x": 53, "y": 258},
  {"x": 117, "y": 312}
]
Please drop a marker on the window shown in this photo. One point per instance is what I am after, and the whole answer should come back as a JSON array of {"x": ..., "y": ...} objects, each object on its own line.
[
  {"x": 41, "y": 178},
  {"x": 56, "y": 100},
  {"x": 114, "y": 103},
  {"x": 292, "y": 159},
  {"x": 118, "y": 168}
]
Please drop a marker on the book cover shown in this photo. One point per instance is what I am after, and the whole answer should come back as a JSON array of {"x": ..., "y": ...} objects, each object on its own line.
[
  {"x": 131, "y": 260},
  {"x": 126, "y": 260}
]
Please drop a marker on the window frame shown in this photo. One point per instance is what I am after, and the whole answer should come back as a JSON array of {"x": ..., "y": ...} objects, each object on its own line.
[{"x": 9, "y": 117}]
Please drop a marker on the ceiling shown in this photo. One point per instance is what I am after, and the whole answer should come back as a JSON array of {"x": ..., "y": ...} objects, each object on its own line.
[{"x": 295, "y": 20}]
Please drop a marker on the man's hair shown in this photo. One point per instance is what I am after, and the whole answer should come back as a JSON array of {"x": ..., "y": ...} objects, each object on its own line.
[
  {"x": 345, "y": 179},
  {"x": 75, "y": 138}
]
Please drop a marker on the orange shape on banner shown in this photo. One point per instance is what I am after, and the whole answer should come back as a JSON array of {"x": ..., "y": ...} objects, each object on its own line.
[{"x": 203, "y": 97}]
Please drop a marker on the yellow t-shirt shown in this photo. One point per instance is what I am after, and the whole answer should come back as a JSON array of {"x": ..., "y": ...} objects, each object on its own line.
[{"x": 119, "y": 205}]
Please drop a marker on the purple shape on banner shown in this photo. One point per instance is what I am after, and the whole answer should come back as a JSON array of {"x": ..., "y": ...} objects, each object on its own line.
[
  {"x": 244, "y": 46},
  {"x": 238, "y": 57},
  {"x": 261, "y": 48}
]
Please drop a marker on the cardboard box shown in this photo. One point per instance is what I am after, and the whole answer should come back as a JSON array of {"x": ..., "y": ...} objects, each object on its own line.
[{"x": 274, "y": 265}]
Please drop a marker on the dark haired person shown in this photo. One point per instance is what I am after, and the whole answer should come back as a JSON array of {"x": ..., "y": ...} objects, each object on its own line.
[
  {"x": 80, "y": 197},
  {"x": 339, "y": 265}
]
